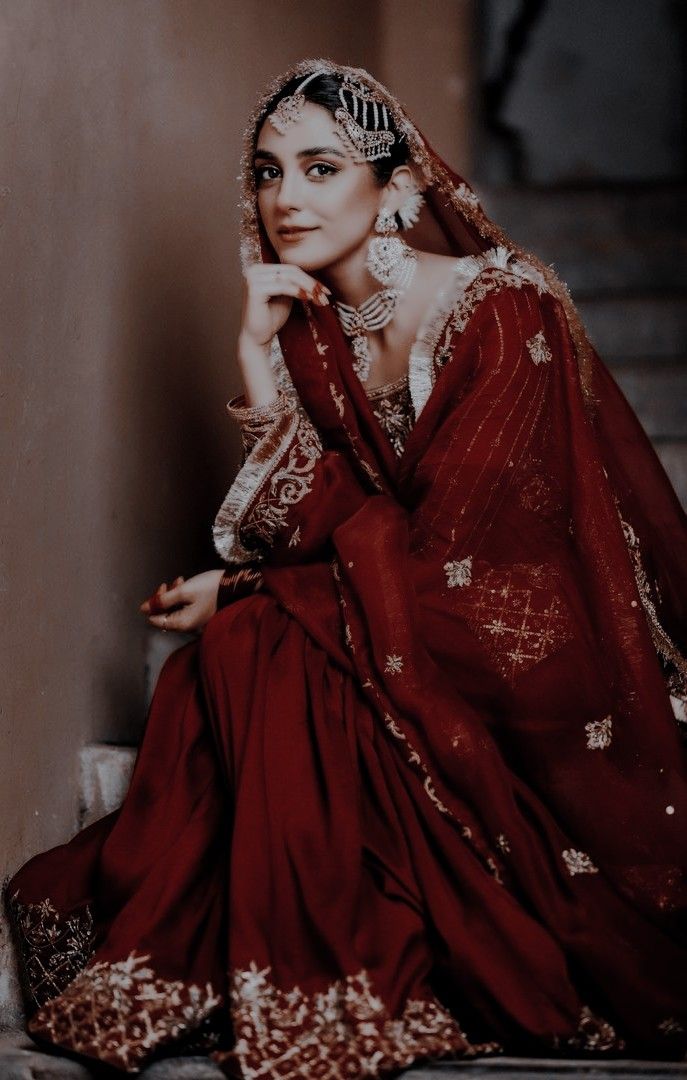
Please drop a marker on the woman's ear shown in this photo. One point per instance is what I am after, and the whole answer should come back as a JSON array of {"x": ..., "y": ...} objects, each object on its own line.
[{"x": 400, "y": 185}]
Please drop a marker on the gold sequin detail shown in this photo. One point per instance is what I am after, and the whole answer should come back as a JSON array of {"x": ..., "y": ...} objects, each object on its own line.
[{"x": 517, "y": 614}]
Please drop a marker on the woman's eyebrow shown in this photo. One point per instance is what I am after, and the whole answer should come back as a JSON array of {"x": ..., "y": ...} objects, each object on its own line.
[
  {"x": 310, "y": 151},
  {"x": 315, "y": 151}
]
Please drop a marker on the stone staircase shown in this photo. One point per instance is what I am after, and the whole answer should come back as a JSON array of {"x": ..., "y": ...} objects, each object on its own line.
[
  {"x": 21, "y": 1060},
  {"x": 623, "y": 255}
]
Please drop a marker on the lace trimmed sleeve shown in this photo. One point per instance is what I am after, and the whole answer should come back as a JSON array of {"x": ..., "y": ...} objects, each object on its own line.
[{"x": 280, "y": 451}]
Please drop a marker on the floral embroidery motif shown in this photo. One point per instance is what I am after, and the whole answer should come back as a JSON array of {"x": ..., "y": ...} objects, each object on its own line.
[
  {"x": 594, "y": 1034},
  {"x": 517, "y": 615},
  {"x": 120, "y": 1012},
  {"x": 393, "y": 410},
  {"x": 599, "y": 733},
  {"x": 503, "y": 843},
  {"x": 578, "y": 862},
  {"x": 338, "y": 400},
  {"x": 671, "y": 1026},
  {"x": 341, "y": 1033},
  {"x": 459, "y": 573},
  {"x": 538, "y": 349},
  {"x": 394, "y": 664},
  {"x": 53, "y": 947}
]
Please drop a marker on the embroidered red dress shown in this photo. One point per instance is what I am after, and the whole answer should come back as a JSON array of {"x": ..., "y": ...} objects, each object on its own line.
[{"x": 424, "y": 792}]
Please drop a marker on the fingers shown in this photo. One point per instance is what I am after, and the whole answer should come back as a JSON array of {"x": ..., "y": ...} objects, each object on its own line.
[
  {"x": 160, "y": 599},
  {"x": 283, "y": 279},
  {"x": 180, "y": 621}
]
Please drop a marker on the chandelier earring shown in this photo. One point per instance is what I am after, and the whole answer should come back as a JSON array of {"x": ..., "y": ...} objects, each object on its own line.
[
  {"x": 389, "y": 259},
  {"x": 393, "y": 262},
  {"x": 409, "y": 212}
]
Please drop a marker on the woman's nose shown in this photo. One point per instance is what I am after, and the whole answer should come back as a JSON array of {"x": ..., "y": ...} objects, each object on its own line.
[{"x": 288, "y": 193}]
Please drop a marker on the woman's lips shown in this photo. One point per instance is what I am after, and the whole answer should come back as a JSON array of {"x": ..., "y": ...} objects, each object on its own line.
[{"x": 290, "y": 236}]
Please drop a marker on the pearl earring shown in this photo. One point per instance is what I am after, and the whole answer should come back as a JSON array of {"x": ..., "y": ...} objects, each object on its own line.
[{"x": 389, "y": 259}]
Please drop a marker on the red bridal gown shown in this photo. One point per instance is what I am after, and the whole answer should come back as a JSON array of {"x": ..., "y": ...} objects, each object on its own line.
[{"x": 423, "y": 794}]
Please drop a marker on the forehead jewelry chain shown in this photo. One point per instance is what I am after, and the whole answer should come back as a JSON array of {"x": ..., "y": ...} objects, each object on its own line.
[
  {"x": 373, "y": 314},
  {"x": 290, "y": 108}
]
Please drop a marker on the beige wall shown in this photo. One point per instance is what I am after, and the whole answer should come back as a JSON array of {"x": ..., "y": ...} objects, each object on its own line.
[{"x": 119, "y": 144}]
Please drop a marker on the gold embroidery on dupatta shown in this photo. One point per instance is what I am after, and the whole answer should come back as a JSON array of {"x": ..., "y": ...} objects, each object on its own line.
[
  {"x": 120, "y": 1012},
  {"x": 663, "y": 644},
  {"x": 538, "y": 348},
  {"x": 516, "y": 613},
  {"x": 341, "y": 1033},
  {"x": 53, "y": 947},
  {"x": 394, "y": 664},
  {"x": 458, "y": 572}
]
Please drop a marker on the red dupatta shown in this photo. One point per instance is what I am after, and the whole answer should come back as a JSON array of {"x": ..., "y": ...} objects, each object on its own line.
[{"x": 511, "y": 596}]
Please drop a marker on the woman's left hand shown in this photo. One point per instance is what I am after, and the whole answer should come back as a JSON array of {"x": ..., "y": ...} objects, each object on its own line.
[{"x": 195, "y": 599}]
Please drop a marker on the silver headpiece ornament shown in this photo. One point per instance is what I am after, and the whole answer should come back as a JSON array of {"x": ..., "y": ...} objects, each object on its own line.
[
  {"x": 290, "y": 108},
  {"x": 362, "y": 118}
]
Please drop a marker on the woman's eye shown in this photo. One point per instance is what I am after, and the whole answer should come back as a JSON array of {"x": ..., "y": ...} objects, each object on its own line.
[
  {"x": 261, "y": 170},
  {"x": 323, "y": 165}
]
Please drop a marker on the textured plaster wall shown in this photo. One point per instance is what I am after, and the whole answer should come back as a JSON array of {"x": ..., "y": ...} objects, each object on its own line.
[{"x": 120, "y": 125}]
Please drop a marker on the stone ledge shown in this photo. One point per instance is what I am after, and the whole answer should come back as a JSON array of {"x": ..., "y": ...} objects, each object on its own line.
[{"x": 21, "y": 1060}]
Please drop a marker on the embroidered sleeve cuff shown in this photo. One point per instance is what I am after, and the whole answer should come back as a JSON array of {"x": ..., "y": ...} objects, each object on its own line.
[{"x": 236, "y": 583}]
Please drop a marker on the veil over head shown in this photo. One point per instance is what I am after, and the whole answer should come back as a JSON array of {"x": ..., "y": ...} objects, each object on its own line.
[{"x": 451, "y": 222}]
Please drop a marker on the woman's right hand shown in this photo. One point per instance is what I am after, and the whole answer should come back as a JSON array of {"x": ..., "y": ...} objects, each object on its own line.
[{"x": 269, "y": 292}]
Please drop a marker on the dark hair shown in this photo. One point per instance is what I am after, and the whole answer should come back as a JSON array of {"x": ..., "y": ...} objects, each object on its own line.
[{"x": 324, "y": 91}]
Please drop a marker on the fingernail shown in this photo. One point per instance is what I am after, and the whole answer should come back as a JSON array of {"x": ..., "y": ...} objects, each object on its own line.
[{"x": 320, "y": 294}]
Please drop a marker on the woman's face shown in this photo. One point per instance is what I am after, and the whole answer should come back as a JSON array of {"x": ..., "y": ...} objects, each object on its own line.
[{"x": 306, "y": 178}]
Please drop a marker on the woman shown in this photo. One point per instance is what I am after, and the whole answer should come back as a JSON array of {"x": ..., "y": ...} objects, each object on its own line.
[{"x": 418, "y": 789}]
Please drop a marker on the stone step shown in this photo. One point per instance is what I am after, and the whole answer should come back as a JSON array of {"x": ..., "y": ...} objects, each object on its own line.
[
  {"x": 105, "y": 772},
  {"x": 157, "y": 648},
  {"x": 634, "y": 327},
  {"x": 21, "y": 1060},
  {"x": 657, "y": 391},
  {"x": 599, "y": 240},
  {"x": 673, "y": 455}
]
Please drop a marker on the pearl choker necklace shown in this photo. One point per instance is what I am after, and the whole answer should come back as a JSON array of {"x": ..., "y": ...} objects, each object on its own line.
[{"x": 373, "y": 314}]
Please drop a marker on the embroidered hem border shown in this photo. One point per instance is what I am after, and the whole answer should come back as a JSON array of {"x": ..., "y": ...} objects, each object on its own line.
[
  {"x": 341, "y": 1033},
  {"x": 53, "y": 947},
  {"x": 121, "y": 1012}
]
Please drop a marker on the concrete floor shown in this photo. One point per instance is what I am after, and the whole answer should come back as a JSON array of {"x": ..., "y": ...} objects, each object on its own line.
[{"x": 20, "y": 1060}]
